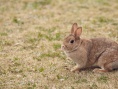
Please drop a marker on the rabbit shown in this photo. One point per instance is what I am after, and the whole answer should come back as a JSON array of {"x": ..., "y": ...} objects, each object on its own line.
[{"x": 101, "y": 52}]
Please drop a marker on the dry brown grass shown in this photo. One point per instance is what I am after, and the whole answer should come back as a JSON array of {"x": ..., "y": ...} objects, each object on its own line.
[{"x": 31, "y": 32}]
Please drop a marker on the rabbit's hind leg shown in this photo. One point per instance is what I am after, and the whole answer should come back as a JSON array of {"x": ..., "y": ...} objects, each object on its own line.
[
  {"x": 107, "y": 61},
  {"x": 107, "y": 68},
  {"x": 100, "y": 70}
]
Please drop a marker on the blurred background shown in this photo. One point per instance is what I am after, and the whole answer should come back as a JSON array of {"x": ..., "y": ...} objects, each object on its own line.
[{"x": 31, "y": 33}]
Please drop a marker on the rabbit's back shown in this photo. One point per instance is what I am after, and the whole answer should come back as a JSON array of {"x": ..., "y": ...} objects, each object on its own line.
[{"x": 99, "y": 45}]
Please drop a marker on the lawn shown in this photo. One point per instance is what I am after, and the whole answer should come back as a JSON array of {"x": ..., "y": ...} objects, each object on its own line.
[{"x": 31, "y": 34}]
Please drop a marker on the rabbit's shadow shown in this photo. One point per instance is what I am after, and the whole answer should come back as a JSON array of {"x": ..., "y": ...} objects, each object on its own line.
[
  {"x": 88, "y": 68},
  {"x": 93, "y": 67}
]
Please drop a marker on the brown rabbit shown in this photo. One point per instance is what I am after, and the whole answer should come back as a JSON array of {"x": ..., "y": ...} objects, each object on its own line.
[{"x": 86, "y": 53}]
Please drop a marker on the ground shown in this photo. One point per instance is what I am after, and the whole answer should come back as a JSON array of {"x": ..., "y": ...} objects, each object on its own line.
[{"x": 31, "y": 33}]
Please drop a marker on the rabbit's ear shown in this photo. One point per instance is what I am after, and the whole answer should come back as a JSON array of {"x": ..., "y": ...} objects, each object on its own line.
[
  {"x": 74, "y": 28},
  {"x": 78, "y": 32}
]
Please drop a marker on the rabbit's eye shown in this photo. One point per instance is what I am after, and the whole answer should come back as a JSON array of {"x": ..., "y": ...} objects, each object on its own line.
[{"x": 72, "y": 41}]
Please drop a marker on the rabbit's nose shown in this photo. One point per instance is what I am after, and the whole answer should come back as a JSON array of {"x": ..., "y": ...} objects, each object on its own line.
[{"x": 62, "y": 47}]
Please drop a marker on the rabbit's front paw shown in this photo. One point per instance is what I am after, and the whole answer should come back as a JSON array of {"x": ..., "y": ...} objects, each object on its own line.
[{"x": 74, "y": 69}]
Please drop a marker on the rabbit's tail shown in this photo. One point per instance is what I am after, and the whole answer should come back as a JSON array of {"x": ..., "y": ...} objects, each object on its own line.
[
  {"x": 115, "y": 64},
  {"x": 112, "y": 65}
]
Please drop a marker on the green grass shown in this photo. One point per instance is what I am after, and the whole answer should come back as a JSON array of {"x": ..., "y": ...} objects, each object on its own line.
[
  {"x": 31, "y": 34},
  {"x": 102, "y": 79},
  {"x": 81, "y": 81},
  {"x": 56, "y": 46}
]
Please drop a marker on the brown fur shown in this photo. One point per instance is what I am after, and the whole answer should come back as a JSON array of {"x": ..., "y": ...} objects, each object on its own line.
[{"x": 86, "y": 53}]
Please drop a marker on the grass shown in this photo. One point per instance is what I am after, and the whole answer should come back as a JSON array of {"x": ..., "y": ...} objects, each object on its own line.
[
  {"x": 102, "y": 79},
  {"x": 31, "y": 34}
]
